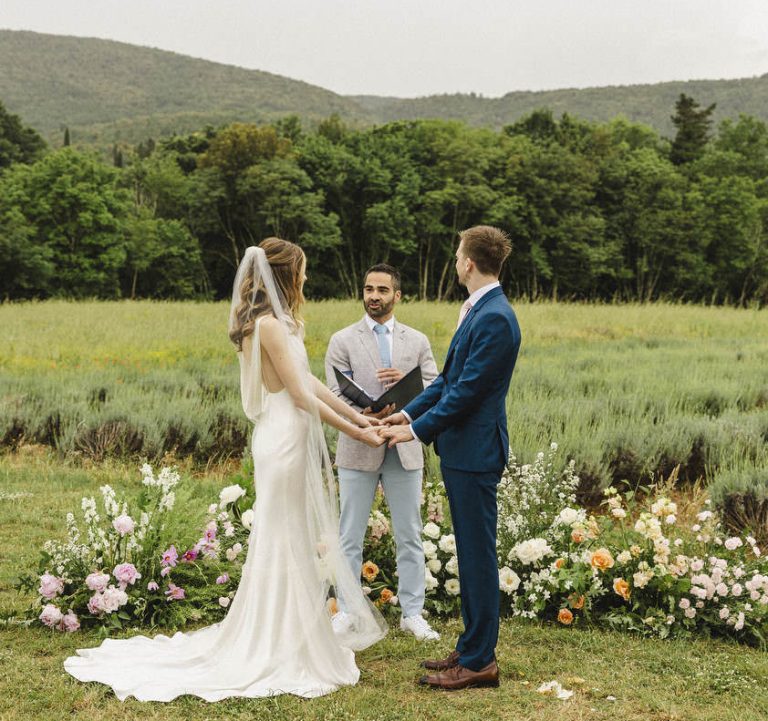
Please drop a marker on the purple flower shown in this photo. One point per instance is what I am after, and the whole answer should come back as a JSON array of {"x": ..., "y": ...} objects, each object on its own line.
[
  {"x": 126, "y": 573},
  {"x": 165, "y": 571},
  {"x": 152, "y": 586},
  {"x": 174, "y": 592},
  {"x": 50, "y": 586},
  {"x": 210, "y": 532},
  {"x": 224, "y": 578},
  {"x": 50, "y": 615},
  {"x": 170, "y": 556},
  {"x": 189, "y": 555}
]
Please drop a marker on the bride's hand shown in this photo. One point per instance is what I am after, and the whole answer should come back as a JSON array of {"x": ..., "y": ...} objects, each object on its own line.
[{"x": 370, "y": 436}]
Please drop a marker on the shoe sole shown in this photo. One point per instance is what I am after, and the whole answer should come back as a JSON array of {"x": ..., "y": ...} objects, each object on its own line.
[{"x": 479, "y": 684}]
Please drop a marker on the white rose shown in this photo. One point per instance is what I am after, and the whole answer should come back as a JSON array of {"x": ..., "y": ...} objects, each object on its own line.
[
  {"x": 230, "y": 494},
  {"x": 733, "y": 543},
  {"x": 452, "y": 586},
  {"x": 447, "y": 544},
  {"x": 568, "y": 516},
  {"x": 430, "y": 549},
  {"x": 509, "y": 581},
  {"x": 618, "y": 513},
  {"x": 432, "y": 530},
  {"x": 434, "y": 565},
  {"x": 452, "y": 566},
  {"x": 430, "y": 581},
  {"x": 247, "y": 518},
  {"x": 532, "y": 550},
  {"x": 624, "y": 557}
]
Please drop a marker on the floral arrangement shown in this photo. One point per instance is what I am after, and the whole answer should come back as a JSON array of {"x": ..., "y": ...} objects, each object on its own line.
[{"x": 120, "y": 566}]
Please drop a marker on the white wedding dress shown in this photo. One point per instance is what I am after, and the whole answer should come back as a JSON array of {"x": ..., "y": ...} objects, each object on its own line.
[{"x": 277, "y": 636}]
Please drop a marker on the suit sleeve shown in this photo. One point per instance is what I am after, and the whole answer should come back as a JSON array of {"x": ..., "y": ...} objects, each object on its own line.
[
  {"x": 426, "y": 399},
  {"x": 336, "y": 355},
  {"x": 489, "y": 353}
]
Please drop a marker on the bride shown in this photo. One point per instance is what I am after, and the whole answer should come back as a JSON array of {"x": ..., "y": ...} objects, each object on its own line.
[{"x": 277, "y": 637}]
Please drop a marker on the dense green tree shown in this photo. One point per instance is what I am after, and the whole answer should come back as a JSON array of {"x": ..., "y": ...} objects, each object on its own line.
[
  {"x": 693, "y": 124},
  {"x": 18, "y": 144}
]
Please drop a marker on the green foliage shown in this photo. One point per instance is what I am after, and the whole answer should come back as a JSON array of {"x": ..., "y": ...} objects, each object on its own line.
[
  {"x": 693, "y": 124},
  {"x": 17, "y": 143},
  {"x": 740, "y": 494}
]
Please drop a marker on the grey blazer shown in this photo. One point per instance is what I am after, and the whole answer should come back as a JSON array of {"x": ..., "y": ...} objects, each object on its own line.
[{"x": 354, "y": 348}]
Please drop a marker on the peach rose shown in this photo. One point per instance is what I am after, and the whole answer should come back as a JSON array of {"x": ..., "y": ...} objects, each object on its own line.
[
  {"x": 576, "y": 602},
  {"x": 385, "y": 595},
  {"x": 621, "y": 587},
  {"x": 565, "y": 617},
  {"x": 559, "y": 563},
  {"x": 601, "y": 559},
  {"x": 333, "y": 606},
  {"x": 578, "y": 535},
  {"x": 370, "y": 571}
]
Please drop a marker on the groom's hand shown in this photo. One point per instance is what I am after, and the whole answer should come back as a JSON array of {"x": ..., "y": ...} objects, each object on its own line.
[
  {"x": 396, "y": 434},
  {"x": 396, "y": 419}
]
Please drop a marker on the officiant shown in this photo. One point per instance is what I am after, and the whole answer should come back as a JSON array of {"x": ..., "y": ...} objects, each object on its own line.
[{"x": 376, "y": 353}]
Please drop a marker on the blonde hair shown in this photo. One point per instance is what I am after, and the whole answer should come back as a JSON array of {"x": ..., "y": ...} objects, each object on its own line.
[{"x": 288, "y": 263}]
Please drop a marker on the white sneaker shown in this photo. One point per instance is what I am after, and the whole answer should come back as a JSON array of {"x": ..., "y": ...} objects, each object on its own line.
[
  {"x": 342, "y": 622},
  {"x": 418, "y": 626}
]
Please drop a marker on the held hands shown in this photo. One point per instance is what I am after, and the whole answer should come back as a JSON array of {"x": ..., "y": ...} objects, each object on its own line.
[
  {"x": 395, "y": 434},
  {"x": 370, "y": 436},
  {"x": 383, "y": 413}
]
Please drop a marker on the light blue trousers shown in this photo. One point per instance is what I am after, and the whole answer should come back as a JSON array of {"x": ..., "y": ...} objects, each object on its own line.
[{"x": 402, "y": 490}]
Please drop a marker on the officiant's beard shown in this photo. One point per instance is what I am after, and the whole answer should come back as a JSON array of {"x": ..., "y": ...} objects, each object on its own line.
[{"x": 380, "y": 311}]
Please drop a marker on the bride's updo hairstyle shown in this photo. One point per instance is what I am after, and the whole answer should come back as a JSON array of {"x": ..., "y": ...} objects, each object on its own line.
[{"x": 288, "y": 263}]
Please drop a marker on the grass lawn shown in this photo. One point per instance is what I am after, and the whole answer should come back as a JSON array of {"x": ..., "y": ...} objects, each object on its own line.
[{"x": 649, "y": 679}]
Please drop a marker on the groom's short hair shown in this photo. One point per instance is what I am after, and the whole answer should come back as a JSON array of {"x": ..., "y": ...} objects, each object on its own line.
[
  {"x": 487, "y": 246},
  {"x": 389, "y": 270}
]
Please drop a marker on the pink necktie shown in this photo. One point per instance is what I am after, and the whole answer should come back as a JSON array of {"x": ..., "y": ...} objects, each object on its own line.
[{"x": 463, "y": 312}]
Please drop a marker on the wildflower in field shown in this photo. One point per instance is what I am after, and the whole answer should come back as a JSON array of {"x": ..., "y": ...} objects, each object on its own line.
[
  {"x": 170, "y": 556},
  {"x": 152, "y": 586},
  {"x": 124, "y": 524},
  {"x": 224, "y": 578}
]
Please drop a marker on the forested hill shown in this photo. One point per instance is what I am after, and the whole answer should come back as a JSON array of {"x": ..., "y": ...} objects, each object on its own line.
[
  {"x": 106, "y": 91},
  {"x": 649, "y": 104},
  {"x": 54, "y": 81}
]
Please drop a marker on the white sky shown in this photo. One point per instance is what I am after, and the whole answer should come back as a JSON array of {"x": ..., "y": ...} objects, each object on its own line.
[{"x": 420, "y": 47}]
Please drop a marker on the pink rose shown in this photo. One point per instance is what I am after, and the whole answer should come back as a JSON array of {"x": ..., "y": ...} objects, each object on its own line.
[
  {"x": 124, "y": 524},
  {"x": 126, "y": 573},
  {"x": 174, "y": 592},
  {"x": 50, "y": 586},
  {"x": 113, "y": 598},
  {"x": 50, "y": 615},
  {"x": 69, "y": 622},
  {"x": 97, "y": 581}
]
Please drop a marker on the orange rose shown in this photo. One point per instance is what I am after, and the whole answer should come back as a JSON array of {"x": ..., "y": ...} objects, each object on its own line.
[
  {"x": 559, "y": 563},
  {"x": 601, "y": 559},
  {"x": 385, "y": 595},
  {"x": 576, "y": 602},
  {"x": 370, "y": 571},
  {"x": 333, "y": 607},
  {"x": 578, "y": 535},
  {"x": 565, "y": 617},
  {"x": 621, "y": 587}
]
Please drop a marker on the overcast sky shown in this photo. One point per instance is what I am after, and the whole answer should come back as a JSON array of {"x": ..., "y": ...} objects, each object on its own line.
[{"x": 409, "y": 48}]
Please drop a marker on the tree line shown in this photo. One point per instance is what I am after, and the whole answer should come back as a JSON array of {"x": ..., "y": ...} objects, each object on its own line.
[{"x": 603, "y": 211}]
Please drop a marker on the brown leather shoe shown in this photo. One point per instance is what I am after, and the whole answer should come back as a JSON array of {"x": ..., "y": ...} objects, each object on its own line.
[
  {"x": 443, "y": 664},
  {"x": 458, "y": 677}
]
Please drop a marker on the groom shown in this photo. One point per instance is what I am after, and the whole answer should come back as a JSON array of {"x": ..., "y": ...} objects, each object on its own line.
[{"x": 463, "y": 413}]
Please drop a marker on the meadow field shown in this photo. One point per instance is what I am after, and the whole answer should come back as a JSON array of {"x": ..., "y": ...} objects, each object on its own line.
[
  {"x": 88, "y": 390},
  {"x": 630, "y": 391}
]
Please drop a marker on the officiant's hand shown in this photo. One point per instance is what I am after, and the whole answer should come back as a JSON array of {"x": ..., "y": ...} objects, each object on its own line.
[
  {"x": 389, "y": 376},
  {"x": 383, "y": 413},
  {"x": 370, "y": 436},
  {"x": 396, "y": 434}
]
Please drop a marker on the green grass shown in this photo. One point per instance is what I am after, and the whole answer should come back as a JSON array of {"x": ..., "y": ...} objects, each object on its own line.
[
  {"x": 651, "y": 680},
  {"x": 628, "y": 391}
]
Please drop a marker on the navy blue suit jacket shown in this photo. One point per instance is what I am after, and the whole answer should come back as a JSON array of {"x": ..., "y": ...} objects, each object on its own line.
[{"x": 463, "y": 411}]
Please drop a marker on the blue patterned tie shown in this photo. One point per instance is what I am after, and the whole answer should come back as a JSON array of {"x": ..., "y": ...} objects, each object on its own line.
[{"x": 381, "y": 338}]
